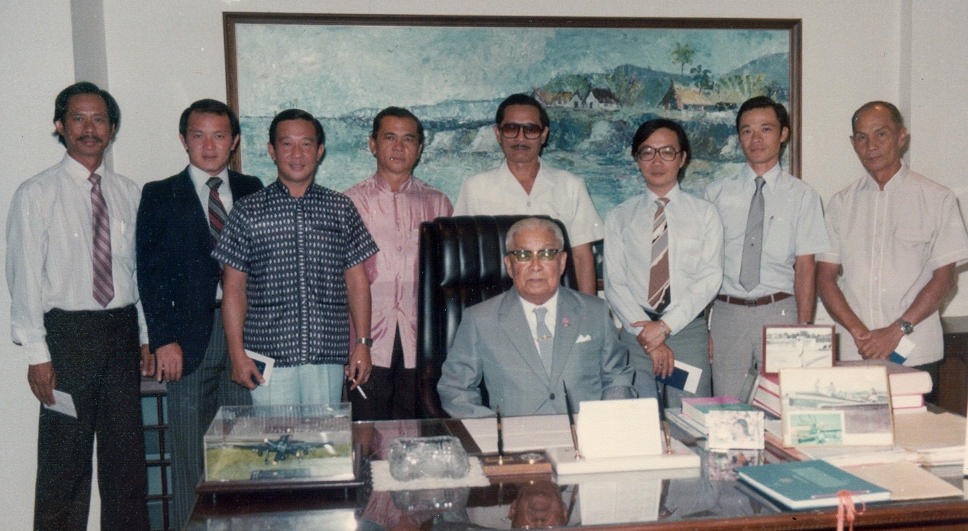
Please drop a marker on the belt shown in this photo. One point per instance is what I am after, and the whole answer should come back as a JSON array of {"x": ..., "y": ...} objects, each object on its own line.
[
  {"x": 767, "y": 299},
  {"x": 657, "y": 316}
]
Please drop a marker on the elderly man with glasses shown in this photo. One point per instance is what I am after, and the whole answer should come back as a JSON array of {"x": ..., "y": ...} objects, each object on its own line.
[
  {"x": 524, "y": 184},
  {"x": 535, "y": 340}
]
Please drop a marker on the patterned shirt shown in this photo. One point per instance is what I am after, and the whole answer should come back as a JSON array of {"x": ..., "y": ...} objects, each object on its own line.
[{"x": 295, "y": 251}]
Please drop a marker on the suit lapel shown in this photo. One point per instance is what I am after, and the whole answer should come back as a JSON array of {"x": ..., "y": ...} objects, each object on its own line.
[
  {"x": 518, "y": 333},
  {"x": 567, "y": 327}
]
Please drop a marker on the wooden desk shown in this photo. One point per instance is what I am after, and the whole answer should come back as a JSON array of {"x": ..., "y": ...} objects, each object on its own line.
[
  {"x": 953, "y": 370},
  {"x": 693, "y": 503}
]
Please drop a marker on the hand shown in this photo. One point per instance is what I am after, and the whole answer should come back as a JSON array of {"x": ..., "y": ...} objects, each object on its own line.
[
  {"x": 42, "y": 380},
  {"x": 147, "y": 362},
  {"x": 879, "y": 344},
  {"x": 663, "y": 361},
  {"x": 359, "y": 366},
  {"x": 244, "y": 370},
  {"x": 652, "y": 335},
  {"x": 169, "y": 362}
]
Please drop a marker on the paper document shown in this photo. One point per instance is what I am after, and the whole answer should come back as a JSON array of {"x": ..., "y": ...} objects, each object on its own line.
[
  {"x": 520, "y": 433},
  {"x": 63, "y": 403},
  {"x": 619, "y": 428},
  {"x": 264, "y": 364}
]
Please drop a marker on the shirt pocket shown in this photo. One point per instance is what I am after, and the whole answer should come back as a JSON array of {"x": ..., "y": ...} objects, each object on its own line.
[
  {"x": 778, "y": 243},
  {"x": 912, "y": 241},
  {"x": 689, "y": 254}
]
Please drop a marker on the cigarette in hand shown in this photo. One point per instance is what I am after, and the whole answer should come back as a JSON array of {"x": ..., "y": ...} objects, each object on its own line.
[{"x": 358, "y": 388}]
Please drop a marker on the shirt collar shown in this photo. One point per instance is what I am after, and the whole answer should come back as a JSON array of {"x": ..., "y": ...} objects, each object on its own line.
[
  {"x": 382, "y": 185},
  {"x": 897, "y": 180},
  {"x": 770, "y": 176},
  {"x": 551, "y": 303},
  {"x": 78, "y": 172},
  {"x": 200, "y": 177},
  {"x": 670, "y": 195}
]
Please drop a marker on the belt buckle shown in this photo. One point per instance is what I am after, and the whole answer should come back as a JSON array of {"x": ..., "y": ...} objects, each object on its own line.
[{"x": 751, "y": 303}]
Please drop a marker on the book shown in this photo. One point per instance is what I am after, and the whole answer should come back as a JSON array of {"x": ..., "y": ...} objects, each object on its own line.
[
  {"x": 906, "y": 401},
  {"x": 810, "y": 484},
  {"x": 263, "y": 364},
  {"x": 903, "y": 380},
  {"x": 684, "y": 376},
  {"x": 906, "y": 481},
  {"x": 696, "y": 408}
]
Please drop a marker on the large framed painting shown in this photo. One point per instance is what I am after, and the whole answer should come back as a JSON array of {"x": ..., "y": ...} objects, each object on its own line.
[{"x": 599, "y": 79}]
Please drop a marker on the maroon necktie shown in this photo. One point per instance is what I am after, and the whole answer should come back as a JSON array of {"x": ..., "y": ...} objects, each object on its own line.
[
  {"x": 216, "y": 210},
  {"x": 103, "y": 280}
]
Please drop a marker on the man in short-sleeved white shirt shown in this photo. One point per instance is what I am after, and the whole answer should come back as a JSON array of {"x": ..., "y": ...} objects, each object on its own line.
[
  {"x": 896, "y": 238},
  {"x": 523, "y": 184}
]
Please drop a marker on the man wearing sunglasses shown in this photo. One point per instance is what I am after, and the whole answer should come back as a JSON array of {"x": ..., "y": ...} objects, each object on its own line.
[
  {"x": 524, "y": 184},
  {"x": 535, "y": 340}
]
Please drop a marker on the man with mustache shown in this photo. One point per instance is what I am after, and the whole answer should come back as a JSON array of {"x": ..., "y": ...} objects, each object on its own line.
[
  {"x": 524, "y": 184},
  {"x": 895, "y": 237},
  {"x": 75, "y": 314}
]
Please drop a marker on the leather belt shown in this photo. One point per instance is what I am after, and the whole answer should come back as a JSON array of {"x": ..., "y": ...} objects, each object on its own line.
[{"x": 767, "y": 299}]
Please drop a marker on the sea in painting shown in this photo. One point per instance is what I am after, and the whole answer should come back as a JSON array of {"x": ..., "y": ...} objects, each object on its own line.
[{"x": 598, "y": 85}]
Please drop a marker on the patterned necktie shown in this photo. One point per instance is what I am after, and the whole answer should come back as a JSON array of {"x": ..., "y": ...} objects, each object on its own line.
[
  {"x": 546, "y": 341},
  {"x": 216, "y": 211},
  {"x": 749, "y": 271},
  {"x": 103, "y": 281},
  {"x": 659, "y": 290}
]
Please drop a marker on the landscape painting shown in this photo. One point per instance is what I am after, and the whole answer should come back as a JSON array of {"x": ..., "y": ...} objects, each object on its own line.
[{"x": 599, "y": 79}]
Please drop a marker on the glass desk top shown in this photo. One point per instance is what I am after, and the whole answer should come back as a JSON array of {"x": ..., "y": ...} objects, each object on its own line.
[{"x": 707, "y": 499}]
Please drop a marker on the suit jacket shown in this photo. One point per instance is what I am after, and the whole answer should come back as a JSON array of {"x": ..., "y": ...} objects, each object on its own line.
[
  {"x": 494, "y": 342},
  {"x": 177, "y": 276}
]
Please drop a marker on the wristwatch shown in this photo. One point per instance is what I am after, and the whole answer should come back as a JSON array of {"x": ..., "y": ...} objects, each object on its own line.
[
  {"x": 906, "y": 327},
  {"x": 368, "y": 341}
]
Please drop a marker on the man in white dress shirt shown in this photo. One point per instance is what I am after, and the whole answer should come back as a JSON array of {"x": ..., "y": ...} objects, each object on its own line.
[
  {"x": 74, "y": 313},
  {"x": 524, "y": 184},
  {"x": 896, "y": 238}
]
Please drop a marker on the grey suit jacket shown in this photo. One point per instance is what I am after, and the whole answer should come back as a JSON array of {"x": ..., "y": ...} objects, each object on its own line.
[{"x": 494, "y": 342}]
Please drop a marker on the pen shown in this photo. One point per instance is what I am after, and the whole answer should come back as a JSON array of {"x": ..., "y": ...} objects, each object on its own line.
[
  {"x": 668, "y": 439},
  {"x": 571, "y": 422},
  {"x": 358, "y": 388},
  {"x": 500, "y": 438}
]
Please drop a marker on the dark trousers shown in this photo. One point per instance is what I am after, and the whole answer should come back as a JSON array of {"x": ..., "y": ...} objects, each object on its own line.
[
  {"x": 96, "y": 360},
  {"x": 391, "y": 392},
  {"x": 192, "y": 404}
]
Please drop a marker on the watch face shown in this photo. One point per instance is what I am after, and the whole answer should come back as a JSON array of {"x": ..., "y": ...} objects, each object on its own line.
[{"x": 906, "y": 327}]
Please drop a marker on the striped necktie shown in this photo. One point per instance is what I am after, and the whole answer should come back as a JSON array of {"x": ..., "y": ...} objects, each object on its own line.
[
  {"x": 659, "y": 290},
  {"x": 216, "y": 211},
  {"x": 103, "y": 281}
]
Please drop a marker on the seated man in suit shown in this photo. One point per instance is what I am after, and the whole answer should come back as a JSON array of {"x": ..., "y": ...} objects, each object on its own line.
[{"x": 531, "y": 341}]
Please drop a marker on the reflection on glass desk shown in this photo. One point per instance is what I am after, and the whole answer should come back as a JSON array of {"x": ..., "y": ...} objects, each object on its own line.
[{"x": 630, "y": 500}]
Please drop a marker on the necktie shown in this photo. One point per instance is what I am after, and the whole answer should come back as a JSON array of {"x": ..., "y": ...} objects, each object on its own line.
[
  {"x": 749, "y": 271},
  {"x": 545, "y": 339},
  {"x": 659, "y": 290},
  {"x": 103, "y": 281},
  {"x": 216, "y": 211}
]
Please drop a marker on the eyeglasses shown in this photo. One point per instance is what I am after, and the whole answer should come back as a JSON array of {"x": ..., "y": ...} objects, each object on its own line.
[
  {"x": 544, "y": 255},
  {"x": 648, "y": 153},
  {"x": 531, "y": 131}
]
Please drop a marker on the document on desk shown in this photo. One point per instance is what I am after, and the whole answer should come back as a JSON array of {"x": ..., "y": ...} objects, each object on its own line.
[
  {"x": 619, "y": 428},
  {"x": 521, "y": 433},
  {"x": 906, "y": 481}
]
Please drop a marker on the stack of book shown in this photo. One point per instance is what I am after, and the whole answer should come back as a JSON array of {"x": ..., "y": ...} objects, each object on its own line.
[
  {"x": 908, "y": 385},
  {"x": 695, "y": 409},
  {"x": 766, "y": 395}
]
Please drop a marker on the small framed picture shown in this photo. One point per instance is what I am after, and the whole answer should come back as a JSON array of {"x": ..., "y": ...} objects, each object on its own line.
[{"x": 797, "y": 346}]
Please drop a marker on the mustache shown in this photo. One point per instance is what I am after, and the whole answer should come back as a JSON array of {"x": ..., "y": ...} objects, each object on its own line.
[{"x": 85, "y": 138}]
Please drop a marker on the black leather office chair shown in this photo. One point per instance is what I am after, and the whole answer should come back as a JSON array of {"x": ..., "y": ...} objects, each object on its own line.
[{"x": 461, "y": 264}]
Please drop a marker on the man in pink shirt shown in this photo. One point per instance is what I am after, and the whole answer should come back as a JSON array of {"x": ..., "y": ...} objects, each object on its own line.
[{"x": 392, "y": 204}]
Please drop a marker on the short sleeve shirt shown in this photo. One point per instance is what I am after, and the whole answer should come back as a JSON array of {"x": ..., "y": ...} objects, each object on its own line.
[
  {"x": 889, "y": 242},
  {"x": 295, "y": 252},
  {"x": 556, "y": 193}
]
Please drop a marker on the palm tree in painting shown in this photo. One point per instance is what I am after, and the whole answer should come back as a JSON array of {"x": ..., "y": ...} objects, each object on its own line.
[{"x": 682, "y": 56}]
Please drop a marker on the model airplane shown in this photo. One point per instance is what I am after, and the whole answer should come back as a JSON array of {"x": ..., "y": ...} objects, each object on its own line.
[{"x": 283, "y": 449}]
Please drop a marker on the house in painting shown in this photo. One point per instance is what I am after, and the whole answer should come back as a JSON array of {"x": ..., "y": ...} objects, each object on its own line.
[{"x": 601, "y": 98}]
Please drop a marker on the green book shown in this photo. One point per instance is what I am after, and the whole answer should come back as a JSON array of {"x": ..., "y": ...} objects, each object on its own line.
[{"x": 809, "y": 484}]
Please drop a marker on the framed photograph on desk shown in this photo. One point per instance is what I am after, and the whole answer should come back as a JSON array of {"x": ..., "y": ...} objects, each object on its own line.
[{"x": 797, "y": 346}]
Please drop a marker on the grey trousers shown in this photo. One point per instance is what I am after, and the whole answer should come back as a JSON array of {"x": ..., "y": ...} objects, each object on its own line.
[
  {"x": 738, "y": 339},
  {"x": 690, "y": 345},
  {"x": 192, "y": 404}
]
